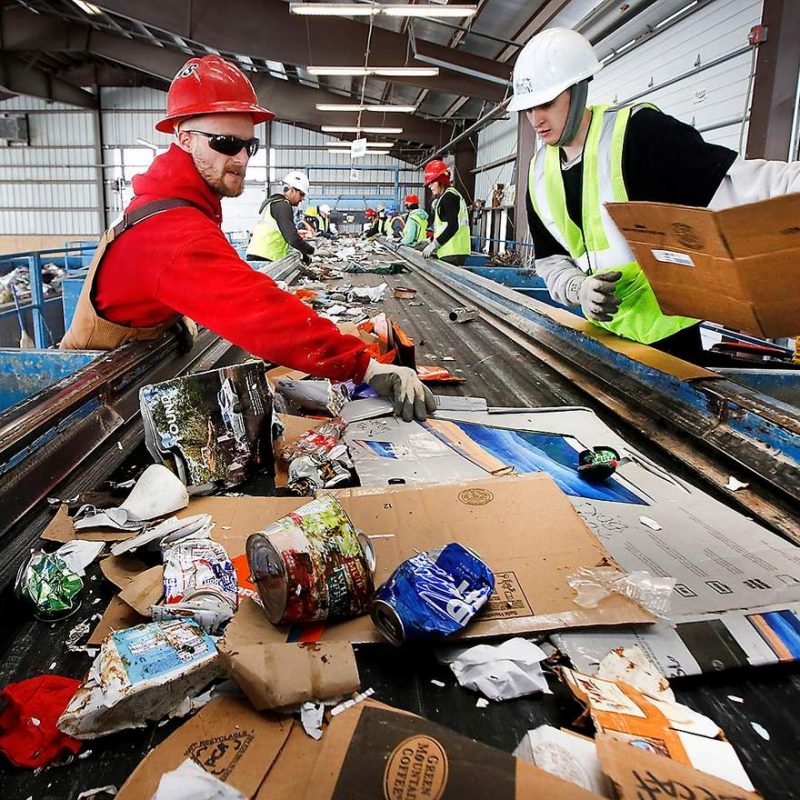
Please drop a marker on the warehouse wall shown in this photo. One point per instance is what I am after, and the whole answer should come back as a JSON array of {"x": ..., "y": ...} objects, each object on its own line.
[
  {"x": 50, "y": 191},
  {"x": 496, "y": 141}
]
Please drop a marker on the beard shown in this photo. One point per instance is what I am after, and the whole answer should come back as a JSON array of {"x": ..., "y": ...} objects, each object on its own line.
[{"x": 215, "y": 176}]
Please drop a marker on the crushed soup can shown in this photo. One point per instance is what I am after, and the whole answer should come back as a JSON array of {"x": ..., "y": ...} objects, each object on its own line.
[
  {"x": 432, "y": 595},
  {"x": 312, "y": 565}
]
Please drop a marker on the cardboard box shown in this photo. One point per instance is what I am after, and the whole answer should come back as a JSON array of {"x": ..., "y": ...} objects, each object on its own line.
[
  {"x": 739, "y": 267},
  {"x": 522, "y": 526}
]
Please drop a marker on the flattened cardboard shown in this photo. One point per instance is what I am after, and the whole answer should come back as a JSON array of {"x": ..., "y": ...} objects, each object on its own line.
[
  {"x": 121, "y": 570},
  {"x": 372, "y": 751},
  {"x": 227, "y": 738},
  {"x": 61, "y": 529},
  {"x": 739, "y": 267},
  {"x": 638, "y": 773},
  {"x": 542, "y": 542},
  {"x": 291, "y": 773},
  {"x": 118, "y": 616},
  {"x": 279, "y": 675},
  {"x": 145, "y": 590}
]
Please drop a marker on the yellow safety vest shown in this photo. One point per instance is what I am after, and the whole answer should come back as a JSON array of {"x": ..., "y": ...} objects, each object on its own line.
[
  {"x": 267, "y": 240},
  {"x": 598, "y": 246},
  {"x": 460, "y": 244}
]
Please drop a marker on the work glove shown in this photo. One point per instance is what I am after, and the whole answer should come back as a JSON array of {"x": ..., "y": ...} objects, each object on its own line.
[
  {"x": 185, "y": 331},
  {"x": 430, "y": 249},
  {"x": 402, "y": 386},
  {"x": 597, "y": 298},
  {"x": 305, "y": 258}
]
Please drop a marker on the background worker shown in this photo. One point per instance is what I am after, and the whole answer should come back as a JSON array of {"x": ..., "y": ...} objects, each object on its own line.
[
  {"x": 416, "y": 228},
  {"x": 369, "y": 219},
  {"x": 168, "y": 257},
  {"x": 377, "y": 223},
  {"x": 451, "y": 240},
  {"x": 393, "y": 224},
  {"x": 637, "y": 153},
  {"x": 275, "y": 235},
  {"x": 326, "y": 227},
  {"x": 311, "y": 219}
]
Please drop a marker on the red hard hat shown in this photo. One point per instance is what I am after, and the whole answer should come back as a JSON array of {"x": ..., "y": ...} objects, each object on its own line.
[
  {"x": 434, "y": 170},
  {"x": 411, "y": 199},
  {"x": 210, "y": 85},
  {"x": 369, "y": 213}
]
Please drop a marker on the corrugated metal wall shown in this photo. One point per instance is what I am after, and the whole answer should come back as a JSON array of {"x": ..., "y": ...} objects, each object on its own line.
[
  {"x": 51, "y": 187},
  {"x": 495, "y": 142},
  {"x": 712, "y": 99}
]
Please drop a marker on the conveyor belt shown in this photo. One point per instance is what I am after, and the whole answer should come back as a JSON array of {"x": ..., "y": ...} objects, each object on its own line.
[{"x": 506, "y": 373}]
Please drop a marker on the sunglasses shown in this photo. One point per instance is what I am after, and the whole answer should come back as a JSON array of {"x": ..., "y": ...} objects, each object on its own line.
[{"x": 229, "y": 145}]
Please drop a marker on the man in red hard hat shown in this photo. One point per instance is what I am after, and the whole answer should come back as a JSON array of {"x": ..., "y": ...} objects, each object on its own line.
[
  {"x": 450, "y": 241},
  {"x": 168, "y": 259},
  {"x": 416, "y": 227}
]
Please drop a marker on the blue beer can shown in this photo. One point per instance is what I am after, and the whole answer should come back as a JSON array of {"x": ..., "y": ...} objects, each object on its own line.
[{"x": 432, "y": 595}]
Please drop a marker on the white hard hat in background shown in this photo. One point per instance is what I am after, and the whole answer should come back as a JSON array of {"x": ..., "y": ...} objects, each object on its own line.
[
  {"x": 325, "y": 208},
  {"x": 551, "y": 62},
  {"x": 296, "y": 180}
]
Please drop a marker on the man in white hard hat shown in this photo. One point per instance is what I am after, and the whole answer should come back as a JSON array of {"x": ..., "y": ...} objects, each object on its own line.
[
  {"x": 602, "y": 154},
  {"x": 326, "y": 227},
  {"x": 275, "y": 235}
]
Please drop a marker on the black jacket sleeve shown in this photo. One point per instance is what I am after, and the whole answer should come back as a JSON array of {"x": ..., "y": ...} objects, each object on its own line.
[
  {"x": 375, "y": 228},
  {"x": 282, "y": 212},
  {"x": 448, "y": 211},
  {"x": 544, "y": 244}
]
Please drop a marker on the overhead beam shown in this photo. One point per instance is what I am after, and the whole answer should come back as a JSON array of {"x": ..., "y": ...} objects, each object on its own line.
[
  {"x": 267, "y": 30},
  {"x": 547, "y": 10},
  {"x": 289, "y": 100},
  {"x": 95, "y": 74},
  {"x": 17, "y": 77}
]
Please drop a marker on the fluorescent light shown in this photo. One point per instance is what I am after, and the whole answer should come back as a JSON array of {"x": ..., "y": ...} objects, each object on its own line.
[
  {"x": 419, "y": 72},
  {"x": 88, "y": 8},
  {"x": 340, "y": 152},
  {"x": 333, "y": 9},
  {"x": 354, "y": 129},
  {"x": 389, "y": 10},
  {"x": 369, "y": 144},
  {"x": 428, "y": 11},
  {"x": 357, "y": 107}
]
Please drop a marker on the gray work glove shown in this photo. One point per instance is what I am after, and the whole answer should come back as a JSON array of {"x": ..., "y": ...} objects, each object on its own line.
[
  {"x": 597, "y": 298},
  {"x": 430, "y": 249},
  {"x": 403, "y": 387}
]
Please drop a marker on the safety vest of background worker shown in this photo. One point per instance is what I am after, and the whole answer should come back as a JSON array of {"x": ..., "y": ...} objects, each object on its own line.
[
  {"x": 311, "y": 218},
  {"x": 168, "y": 258},
  {"x": 603, "y": 154},
  {"x": 416, "y": 227},
  {"x": 378, "y": 220},
  {"x": 326, "y": 228},
  {"x": 275, "y": 234},
  {"x": 451, "y": 239},
  {"x": 393, "y": 224}
]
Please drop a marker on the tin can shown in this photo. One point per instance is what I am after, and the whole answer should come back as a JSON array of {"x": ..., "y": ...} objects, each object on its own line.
[
  {"x": 463, "y": 314},
  {"x": 48, "y": 582},
  {"x": 432, "y": 595},
  {"x": 598, "y": 464},
  {"x": 404, "y": 293},
  {"x": 312, "y": 565}
]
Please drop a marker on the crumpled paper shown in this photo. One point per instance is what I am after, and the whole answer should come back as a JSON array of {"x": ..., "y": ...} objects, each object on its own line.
[
  {"x": 158, "y": 492},
  {"x": 502, "y": 672},
  {"x": 190, "y": 781},
  {"x": 198, "y": 526}
]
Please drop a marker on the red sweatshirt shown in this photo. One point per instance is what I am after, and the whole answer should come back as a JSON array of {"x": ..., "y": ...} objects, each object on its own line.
[{"x": 180, "y": 260}]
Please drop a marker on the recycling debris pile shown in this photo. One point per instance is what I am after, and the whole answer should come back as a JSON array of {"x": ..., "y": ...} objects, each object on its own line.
[{"x": 18, "y": 282}]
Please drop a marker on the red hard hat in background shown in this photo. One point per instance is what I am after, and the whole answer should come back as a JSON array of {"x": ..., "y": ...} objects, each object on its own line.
[
  {"x": 435, "y": 170},
  {"x": 370, "y": 213},
  {"x": 411, "y": 199},
  {"x": 210, "y": 85}
]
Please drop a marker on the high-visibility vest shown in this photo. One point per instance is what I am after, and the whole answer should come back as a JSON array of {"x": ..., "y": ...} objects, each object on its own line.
[
  {"x": 267, "y": 240},
  {"x": 598, "y": 245},
  {"x": 420, "y": 217},
  {"x": 460, "y": 244},
  {"x": 324, "y": 223}
]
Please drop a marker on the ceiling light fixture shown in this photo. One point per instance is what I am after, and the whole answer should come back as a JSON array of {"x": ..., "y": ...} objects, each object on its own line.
[
  {"x": 354, "y": 129},
  {"x": 389, "y": 72},
  {"x": 357, "y": 107},
  {"x": 387, "y": 9},
  {"x": 341, "y": 152}
]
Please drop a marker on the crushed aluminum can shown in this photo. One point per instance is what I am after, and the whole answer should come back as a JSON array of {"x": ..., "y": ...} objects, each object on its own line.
[
  {"x": 316, "y": 440},
  {"x": 432, "y": 595},
  {"x": 309, "y": 474},
  {"x": 209, "y": 607},
  {"x": 312, "y": 565},
  {"x": 463, "y": 314},
  {"x": 597, "y": 464},
  {"x": 48, "y": 582}
]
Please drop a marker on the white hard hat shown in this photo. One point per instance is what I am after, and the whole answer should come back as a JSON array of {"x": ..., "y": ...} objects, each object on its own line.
[
  {"x": 551, "y": 62},
  {"x": 296, "y": 180},
  {"x": 325, "y": 208}
]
